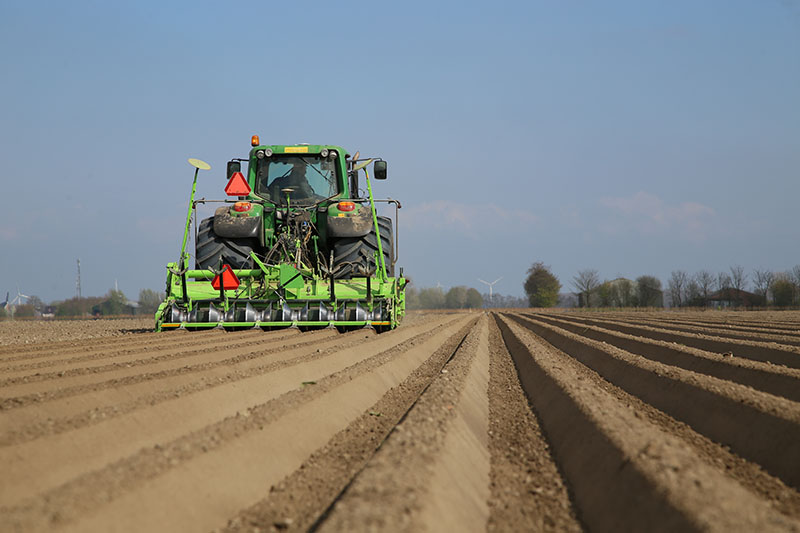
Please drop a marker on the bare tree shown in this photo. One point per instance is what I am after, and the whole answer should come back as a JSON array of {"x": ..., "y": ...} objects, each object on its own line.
[
  {"x": 605, "y": 294},
  {"x": 796, "y": 280},
  {"x": 586, "y": 282},
  {"x": 724, "y": 281},
  {"x": 677, "y": 287},
  {"x": 705, "y": 284},
  {"x": 762, "y": 279},
  {"x": 738, "y": 278},
  {"x": 692, "y": 295},
  {"x": 627, "y": 296}
]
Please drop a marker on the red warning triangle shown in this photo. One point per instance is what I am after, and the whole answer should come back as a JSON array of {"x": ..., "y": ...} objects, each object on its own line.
[
  {"x": 237, "y": 186},
  {"x": 229, "y": 279}
]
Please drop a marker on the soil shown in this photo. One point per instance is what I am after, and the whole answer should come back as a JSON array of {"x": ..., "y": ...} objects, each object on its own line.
[
  {"x": 16, "y": 332},
  {"x": 503, "y": 421}
]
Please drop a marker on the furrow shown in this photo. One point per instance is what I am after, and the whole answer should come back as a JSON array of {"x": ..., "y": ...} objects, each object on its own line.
[
  {"x": 21, "y": 334},
  {"x": 46, "y": 463},
  {"x": 458, "y": 497},
  {"x": 760, "y": 319},
  {"x": 92, "y": 405},
  {"x": 430, "y": 492},
  {"x": 753, "y": 331},
  {"x": 255, "y": 452},
  {"x": 716, "y": 331},
  {"x": 749, "y": 474},
  {"x": 718, "y": 316},
  {"x": 758, "y": 351},
  {"x": 764, "y": 323},
  {"x": 528, "y": 493},
  {"x": 19, "y": 393},
  {"x": 624, "y": 473},
  {"x": 300, "y": 501},
  {"x": 112, "y": 360},
  {"x": 150, "y": 340},
  {"x": 83, "y": 406},
  {"x": 56, "y": 362},
  {"x": 756, "y": 425},
  {"x": 778, "y": 380}
]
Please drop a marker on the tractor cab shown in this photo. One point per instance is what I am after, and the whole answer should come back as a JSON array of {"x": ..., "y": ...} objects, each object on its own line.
[{"x": 299, "y": 179}]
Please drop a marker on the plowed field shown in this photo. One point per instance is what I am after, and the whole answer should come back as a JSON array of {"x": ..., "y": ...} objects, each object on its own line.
[{"x": 506, "y": 421}]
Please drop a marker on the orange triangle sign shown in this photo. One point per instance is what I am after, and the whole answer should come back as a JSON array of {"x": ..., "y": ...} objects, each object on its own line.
[
  {"x": 237, "y": 186},
  {"x": 229, "y": 279}
]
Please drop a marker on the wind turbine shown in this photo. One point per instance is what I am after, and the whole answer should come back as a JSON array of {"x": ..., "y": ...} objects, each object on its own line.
[
  {"x": 12, "y": 305},
  {"x": 18, "y": 298},
  {"x": 490, "y": 285}
]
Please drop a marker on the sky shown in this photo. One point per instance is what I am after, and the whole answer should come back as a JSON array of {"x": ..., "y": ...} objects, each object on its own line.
[{"x": 631, "y": 137}]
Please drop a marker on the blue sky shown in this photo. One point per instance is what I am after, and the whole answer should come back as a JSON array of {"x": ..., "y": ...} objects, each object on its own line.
[{"x": 632, "y": 137}]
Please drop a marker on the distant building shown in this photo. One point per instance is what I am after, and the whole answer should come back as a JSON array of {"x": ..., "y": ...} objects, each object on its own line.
[{"x": 730, "y": 297}]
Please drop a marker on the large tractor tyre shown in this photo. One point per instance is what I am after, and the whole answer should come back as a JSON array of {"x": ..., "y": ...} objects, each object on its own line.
[
  {"x": 355, "y": 256},
  {"x": 210, "y": 247}
]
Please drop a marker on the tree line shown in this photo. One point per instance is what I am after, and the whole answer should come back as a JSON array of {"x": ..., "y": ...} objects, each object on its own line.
[
  {"x": 644, "y": 291},
  {"x": 759, "y": 288},
  {"x": 732, "y": 288},
  {"x": 459, "y": 297},
  {"x": 113, "y": 303}
]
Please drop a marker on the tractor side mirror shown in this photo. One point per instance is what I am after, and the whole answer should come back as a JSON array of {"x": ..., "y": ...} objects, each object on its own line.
[
  {"x": 233, "y": 167},
  {"x": 380, "y": 170},
  {"x": 353, "y": 183}
]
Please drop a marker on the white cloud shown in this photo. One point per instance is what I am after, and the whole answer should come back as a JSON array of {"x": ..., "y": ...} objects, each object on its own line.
[
  {"x": 648, "y": 214},
  {"x": 466, "y": 218}
]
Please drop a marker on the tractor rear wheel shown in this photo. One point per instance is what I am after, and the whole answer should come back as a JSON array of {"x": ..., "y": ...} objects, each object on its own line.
[
  {"x": 355, "y": 256},
  {"x": 210, "y": 247}
]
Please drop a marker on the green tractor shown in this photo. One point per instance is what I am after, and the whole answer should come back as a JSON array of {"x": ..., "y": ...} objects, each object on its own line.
[{"x": 294, "y": 245}]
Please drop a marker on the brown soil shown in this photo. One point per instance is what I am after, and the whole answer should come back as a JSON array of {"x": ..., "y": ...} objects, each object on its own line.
[
  {"x": 454, "y": 421},
  {"x": 22, "y": 332}
]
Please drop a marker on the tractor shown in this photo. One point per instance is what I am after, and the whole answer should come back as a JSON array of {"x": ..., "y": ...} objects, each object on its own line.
[{"x": 297, "y": 243}]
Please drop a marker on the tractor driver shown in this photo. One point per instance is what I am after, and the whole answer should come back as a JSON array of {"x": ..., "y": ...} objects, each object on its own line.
[{"x": 295, "y": 180}]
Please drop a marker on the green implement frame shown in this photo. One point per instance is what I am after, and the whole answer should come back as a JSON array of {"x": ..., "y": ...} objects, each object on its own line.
[
  {"x": 276, "y": 297},
  {"x": 288, "y": 291}
]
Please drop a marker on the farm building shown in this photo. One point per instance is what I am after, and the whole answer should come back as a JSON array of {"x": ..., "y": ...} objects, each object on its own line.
[{"x": 730, "y": 297}]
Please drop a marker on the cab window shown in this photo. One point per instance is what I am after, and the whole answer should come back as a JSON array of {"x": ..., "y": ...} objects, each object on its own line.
[{"x": 305, "y": 179}]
